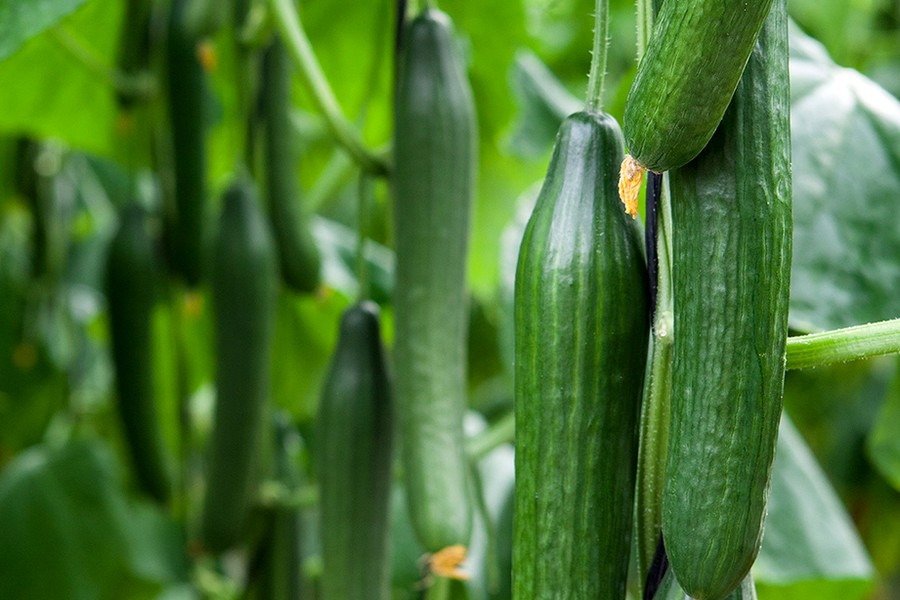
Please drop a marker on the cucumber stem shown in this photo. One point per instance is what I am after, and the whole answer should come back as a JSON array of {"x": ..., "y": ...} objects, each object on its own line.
[
  {"x": 645, "y": 16},
  {"x": 843, "y": 345},
  {"x": 362, "y": 227},
  {"x": 597, "y": 77},
  {"x": 501, "y": 432},
  {"x": 290, "y": 28}
]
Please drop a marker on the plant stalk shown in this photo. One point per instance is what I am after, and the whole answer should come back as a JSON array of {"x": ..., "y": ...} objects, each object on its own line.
[
  {"x": 843, "y": 345},
  {"x": 597, "y": 77}
]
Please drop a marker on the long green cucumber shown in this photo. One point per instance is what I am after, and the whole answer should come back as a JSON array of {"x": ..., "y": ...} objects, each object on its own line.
[
  {"x": 353, "y": 458},
  {"x": 687, "y": 76},
  {"x": 434, "y": 151},
  {"x": 134, "y": 49},
  {"x": 582, "y": 327},
  {"x": 187, "y": 119},
  {"x": 670, "y": 590},
  {"x": 298, "y": 256},
  {"x": 244, "y": 282},
  {"x": 132, "y": 290},
  {"x": 731, "y": 210}
]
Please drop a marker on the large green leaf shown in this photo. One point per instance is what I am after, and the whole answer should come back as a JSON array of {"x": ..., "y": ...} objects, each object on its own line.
[
  {"x": 846, "y": 153},
  {"x": 47, "y": 92},
  {"x": 67, "y": 531},
  {"x": 810, "y": 548},
  {"x": 883, "y": 442},
  {"x": 20, "y": 21}
]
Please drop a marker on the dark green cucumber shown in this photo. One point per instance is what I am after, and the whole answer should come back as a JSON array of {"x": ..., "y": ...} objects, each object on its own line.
[
  {"x": 353, "y": 458},
  {"x": 434, "y": 151},
  {"x": 187, "y": 120},
  {"x": 670, "y": 590},
  {"x": 582, "y": 327},
  {"x": 134, "y": 49},
  {"x": 132, "y": 290},
  {"x": 298, "y": 255},
  {"x": 687, "y": 76},
  {"x": 244, "y": 281},
  {"x": 731, "y": 210}
]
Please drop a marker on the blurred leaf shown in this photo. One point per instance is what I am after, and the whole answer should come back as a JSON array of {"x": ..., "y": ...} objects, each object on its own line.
[
  {"x": 846, "y": 154},
  {"x": 66, "y": 530},
  {"x": 338, "y": 245},
  {"x": 543, "y": 104},
  {"x": 810, "y": 548},
  {"x": 883, "y": 442},
  {"x": 20, "y": 21},
  {"x": 49, "y": 93}
]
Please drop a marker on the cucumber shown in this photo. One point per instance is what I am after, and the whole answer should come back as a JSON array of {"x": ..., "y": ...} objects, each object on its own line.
[
  {"x": 353, "y": 459},
  {"x": 687, "y": 76},
  {"x": 133, "y": 276},
  {"x": 298, "y": 256},
  {"x": 434, "y": 155},
  {"x": 670, "y": 590},
  {"x": 187, "y": 119},
  {"x": 134, "y": 49},
  {"x": 731, "y": 210},
  {"x": 582, "y": 328},
  {"x": 244, "y": 282}
]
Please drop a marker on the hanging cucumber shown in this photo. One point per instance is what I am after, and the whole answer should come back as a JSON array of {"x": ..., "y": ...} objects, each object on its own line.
[
  {"x": 353, "y": 459},
  {"x": 687, "y": 76},
  {"x": 731, "y": 210},
  {"x": 187, "y": 120},
  {"x": 582, "y": 326},
  {"x": 434, "y": 153},
  {"x": 134, "y": 50},
  {"x": 298, "y": 255},
  {"x": 132, "y": 289},
  {"x": 244, "y": 282}
]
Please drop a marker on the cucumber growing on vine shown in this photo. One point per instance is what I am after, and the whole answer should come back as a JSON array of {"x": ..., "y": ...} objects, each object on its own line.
[
  {"x": 582, "y": 327},
  {"x": 133, "y": 278},
  {"x": 731, "y": 210},
  {"x": 353, "y": 458},
  {"x": 244, "y": 281},
  {"x": 434, "y": 155}
]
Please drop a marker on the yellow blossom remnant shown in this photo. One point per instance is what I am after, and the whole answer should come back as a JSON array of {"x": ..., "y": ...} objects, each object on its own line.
[
  {"x": 207, "y": 55},
  {"x": 631, "y": 175},
  {"x": 446, "y": 562}
]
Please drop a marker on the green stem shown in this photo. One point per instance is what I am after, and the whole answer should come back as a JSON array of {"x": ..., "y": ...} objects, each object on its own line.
[
  {"x": 654, "y": 436},
  {"x": 291, "y": 30},
  {"x": 843, "y": 345},
  {"x": 439, "y": 589},
  {"x": 501, "y": 432},
  {"x": 597, "y": 77},
  {"x": 362, "y": 228}
]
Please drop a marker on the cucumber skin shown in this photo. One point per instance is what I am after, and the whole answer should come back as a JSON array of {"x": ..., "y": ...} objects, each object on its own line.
[
  {"x": 687, "y": 77},
  {"x": 435, "y": 154},
  {"x": 582, "y": 329},
  {"x": 133, "y": 275},
  {"x": 298, "y": 257},
  {"x": 353, "y": 460},
  {"x": 244, "y": 281},
  {"x": 187, "y": 115},
  {"x": 732, "y": 254},
  {"x": 670, "y": 590}
]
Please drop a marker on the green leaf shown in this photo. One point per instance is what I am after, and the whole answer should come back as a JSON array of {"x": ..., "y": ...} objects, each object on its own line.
[
  {"x": 810, "y": 548},
  {"x": 66, "y": 530},
  {"x": 20, "y": 21},
  {"x": 846, "y": 154},
  {"x": 883, "y": 442},
  {"x": 47, "y": 92}
]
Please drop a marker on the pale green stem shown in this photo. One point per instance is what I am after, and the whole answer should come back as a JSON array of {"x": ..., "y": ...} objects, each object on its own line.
[
  {"x": 597, "y": 77},
  {"x": 644, "y": 26},
  {"x": 439, "y": 589},
  {"x": 88, "y": 56},
  {"x": 291, "y": 31},
  {"x": 843, "y": 345},
  {"x": 362, "y": 227},
  {"x": 501, "y": 432}
]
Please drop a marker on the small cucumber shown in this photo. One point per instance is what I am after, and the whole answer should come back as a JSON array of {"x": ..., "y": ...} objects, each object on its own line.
[
  {"x": 244, "y": 283},
  {"x": 731, "y": 210},
  {"x": 687, "y": 76},
  {"x": 133, "y": 275},
  {"x": 298, "y": 256},
  {"x": 353, "y": 459},
  {"x": 187, "y": 120},
  {"x": 582, "y": 328},
  {"x": 434, "y": 152}
]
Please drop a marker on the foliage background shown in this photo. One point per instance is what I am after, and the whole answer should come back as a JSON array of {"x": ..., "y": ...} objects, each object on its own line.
[{"x": 834, "y": 523}]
